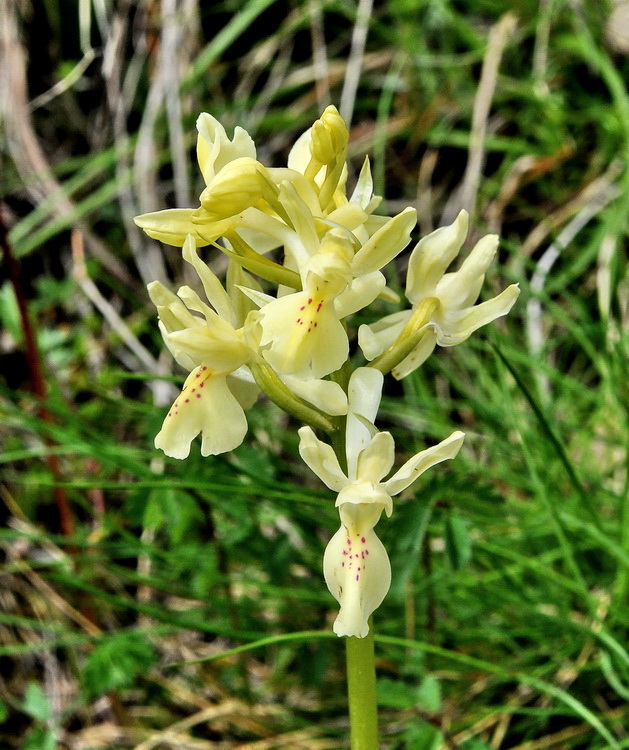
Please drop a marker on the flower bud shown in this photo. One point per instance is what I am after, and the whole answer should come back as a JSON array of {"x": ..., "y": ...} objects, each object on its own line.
[
  {"x": 239, "y": 185},
  {"x": 329, "y": 137}
]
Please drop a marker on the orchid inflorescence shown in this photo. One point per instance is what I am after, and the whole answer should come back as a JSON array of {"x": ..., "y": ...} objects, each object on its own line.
[{"x": 280, "y": 327}]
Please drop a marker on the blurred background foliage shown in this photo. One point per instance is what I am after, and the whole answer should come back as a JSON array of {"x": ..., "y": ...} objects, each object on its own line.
[{"x": 506, "y": 626}]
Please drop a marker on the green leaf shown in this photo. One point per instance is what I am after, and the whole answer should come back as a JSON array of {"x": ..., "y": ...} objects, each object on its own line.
[
  {"x": 458, "y": 542},
  {"x": 40, "y": 738},
  {"x": 173, "y": 509},
  {"x": 421, "y": 734},
  {"x": 429, "y": 694},
  {"x": 394, "y": 694},
  {"x": 475, "y": 744},
  {"x": 36, "y": 703},
  {"x": 116, "y": 662}
]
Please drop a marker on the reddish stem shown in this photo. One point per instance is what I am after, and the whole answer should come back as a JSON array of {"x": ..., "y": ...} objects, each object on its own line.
[{"x": 38, "y": 382}]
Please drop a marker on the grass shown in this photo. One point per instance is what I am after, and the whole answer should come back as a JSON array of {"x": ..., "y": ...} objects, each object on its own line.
[{"x": 184, "y": 607}]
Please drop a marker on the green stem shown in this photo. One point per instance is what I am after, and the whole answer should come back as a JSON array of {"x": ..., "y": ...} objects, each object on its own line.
[
  {"x": 270, "y": 384},
  {"x": 361, "y": 691},
  {"x": 408, "y": 339}
]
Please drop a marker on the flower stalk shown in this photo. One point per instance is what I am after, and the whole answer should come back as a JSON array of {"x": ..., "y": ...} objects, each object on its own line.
[
  {"x": 361, "y": 691},
  {"x": 271, "y": 385},
  {"x": 409, "y": 339}
]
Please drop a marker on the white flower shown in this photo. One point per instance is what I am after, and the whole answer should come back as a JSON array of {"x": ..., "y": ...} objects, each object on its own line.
[
  {"x": 456, "y": 316},
  {"x": 356, "y": 565}
]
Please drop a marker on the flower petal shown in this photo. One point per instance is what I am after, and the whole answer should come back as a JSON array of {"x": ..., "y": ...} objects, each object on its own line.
[
  {"x": 363, "y": 192},
  {"x": 458, "y": 325},
  {"x": 171, "y": 310},
  {"x": 422, "y": 461},
  {"x": 299, "y": 156},
  {"x": 360, "y": 293},
  {"x": 171, "y": 226},
  {"x": 385, "y": 244},
  {"x": 303, "y": 336},
  {"x": 356, "y": 569},
  {"x": 224, "y": 353},
  {"x": 214, "y": 291},
  {"x": 419, "y": 355},
  {"x": 375, "y": 338},
  {"x": 320, "y": 458},
  {"x": 206, "y": 406},
  {"x": 303, "y": 222},
  {"x": 460, "y": 289},
  {"x": 365, "y": 493},
  {"x": 376, "y": 460},
  {"x": 431, "y": 257},
  {"x": 326, "y": 395},
  {"x": 215, "y": 150},
  {"x": 364, "y": 394}
]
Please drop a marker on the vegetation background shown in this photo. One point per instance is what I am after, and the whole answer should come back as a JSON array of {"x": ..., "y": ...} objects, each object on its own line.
[{"x": 506, "y": 626}]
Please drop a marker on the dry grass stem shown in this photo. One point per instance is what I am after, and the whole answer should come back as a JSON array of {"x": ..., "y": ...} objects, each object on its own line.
[{"x": 465, "y": 197}]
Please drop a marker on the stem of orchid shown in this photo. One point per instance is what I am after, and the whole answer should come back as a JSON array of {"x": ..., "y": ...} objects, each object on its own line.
[
  {"x": 271, "y": 385},
  {"x": 361, "y": 691},
  {"x": 409, "y": 337},
  {"x": 258, "y": 264}
]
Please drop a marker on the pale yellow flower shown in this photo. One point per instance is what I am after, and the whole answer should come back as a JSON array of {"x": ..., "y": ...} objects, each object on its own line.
[
  {"x": 219, "y": 386},
  {"x": 456, "y": 316},
  {"x": 215, "y": 153},
  {"x": 356, "y": 565}
]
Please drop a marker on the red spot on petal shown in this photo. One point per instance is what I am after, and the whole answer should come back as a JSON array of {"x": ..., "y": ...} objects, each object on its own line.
[
  {"x": 201, "y": 385},
  {"x": 357, "y": 577},
  {"x": 310, "y": 301},
  {"x": 362, "y": 539},
  {"x": 198, "y": 395},
  {"x": 320, "y": 305},
  {"x": 187, "y": 400}
]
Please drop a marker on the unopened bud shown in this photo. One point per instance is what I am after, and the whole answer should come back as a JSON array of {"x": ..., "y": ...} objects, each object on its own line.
[
  {"x": 239, "y": 185},
  {"x": 329, "y": 137}
]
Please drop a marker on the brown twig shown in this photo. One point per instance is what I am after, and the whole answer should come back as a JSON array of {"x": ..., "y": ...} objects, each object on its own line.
[{"x": 36, "y": 373}]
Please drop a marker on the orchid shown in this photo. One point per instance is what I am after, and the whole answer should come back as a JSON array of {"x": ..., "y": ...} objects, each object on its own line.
[
  {"x": 356, "y": 565},
  {"x": 304, "y": 255},
  {"x": 455, "y": 316},
  {"x": 219, "y": 388},
  {"x": 302, "y": 332},
  {"x": 319, "y": 154},
  {"x": 222, "y": 162},
  {"x": 290, "y": 343}
]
